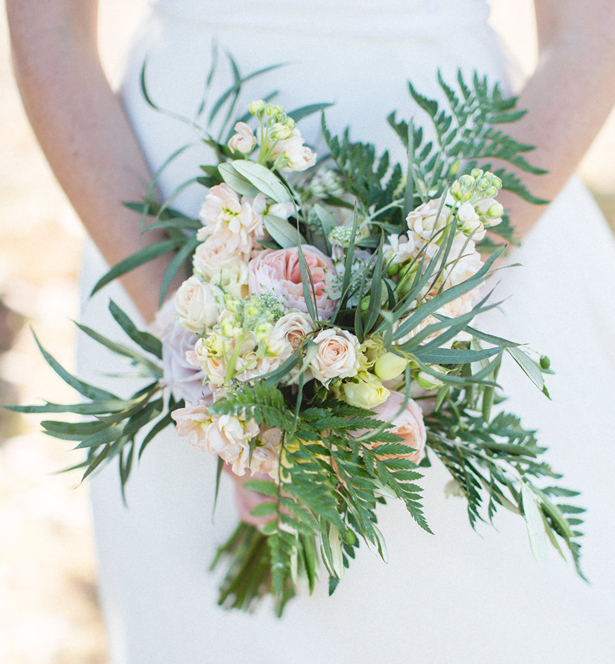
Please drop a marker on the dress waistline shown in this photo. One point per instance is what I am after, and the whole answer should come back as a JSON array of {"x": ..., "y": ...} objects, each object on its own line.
[{"x": 348, "y": 19}]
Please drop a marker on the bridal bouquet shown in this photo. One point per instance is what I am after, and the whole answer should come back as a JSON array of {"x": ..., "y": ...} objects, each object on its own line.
[{"x": 323, "y": 344}]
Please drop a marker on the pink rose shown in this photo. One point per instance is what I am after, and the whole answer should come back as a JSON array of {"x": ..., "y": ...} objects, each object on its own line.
[
  {"x": 408, "y": 425},
  {"x": 278, "y": 271}
]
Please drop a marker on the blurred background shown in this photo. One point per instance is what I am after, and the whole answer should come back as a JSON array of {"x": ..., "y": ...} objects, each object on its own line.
[{"x": 48, "y": 606}]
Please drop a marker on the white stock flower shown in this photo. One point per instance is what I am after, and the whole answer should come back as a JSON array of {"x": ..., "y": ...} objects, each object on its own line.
[
  {"x": 223, "y": 211},
  {"x": 425, "y": 221},
  {"x": 400, "y": 248},
  {"x": 244, "y": 140},
  {"x": 298, "y": 155},
  {"x": 196, "y": 305},
  {"x": 470, "y": 223},
  {"x": 220, "y": 251},
  {"x": 463, "y": 261}
]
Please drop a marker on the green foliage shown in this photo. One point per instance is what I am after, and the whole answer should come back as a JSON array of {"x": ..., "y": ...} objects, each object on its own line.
[
  {"x": 113, "y": 433},
  {"x": 498, "y": 463}
]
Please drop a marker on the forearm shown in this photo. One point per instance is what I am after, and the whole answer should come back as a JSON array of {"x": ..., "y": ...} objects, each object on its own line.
[
  {"x": 568, "y": 98},
  {"x": 83, "y": 130}
]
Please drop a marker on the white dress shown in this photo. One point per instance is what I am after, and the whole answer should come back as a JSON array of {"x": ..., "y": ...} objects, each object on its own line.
[{"x": 452, "y": 597}]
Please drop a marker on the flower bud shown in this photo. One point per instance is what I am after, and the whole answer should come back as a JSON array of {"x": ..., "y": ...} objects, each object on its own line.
[
  {"x": 495, "y": 210},
  {"x": 545, "y": 362},
  {"x": 477, "y": 173},
  {"x": 365, "y": 391},
  {"x": 256, "y": 107},
  {"x": 389, "y": 366},
  {"x": 262, "y": 331},
  {"x": 429, "y": 382}
]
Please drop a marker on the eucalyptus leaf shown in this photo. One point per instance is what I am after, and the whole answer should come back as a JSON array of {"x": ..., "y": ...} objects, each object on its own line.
[
  {"x": 236, "y": 181},
  {"x": 263, "y": 179},
  {"x": 283, "y": 232}
]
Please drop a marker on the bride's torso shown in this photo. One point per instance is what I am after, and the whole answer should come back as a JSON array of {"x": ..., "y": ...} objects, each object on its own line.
[{"x": 358, "y": 54}]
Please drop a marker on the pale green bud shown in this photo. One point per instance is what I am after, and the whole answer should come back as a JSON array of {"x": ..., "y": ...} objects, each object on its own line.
[
  {"x": 252, "y": 310},
  {"x": 429, "y": 382},
  {"x": 389, "y": 366},
  {"x": 495, "y": 210},
  {"x": 477, "y": 173},
  {"x": 456, "y": 190},
  {"x": 365, "y": 391},
  {"x": 273, "y": 109},
  {"x": 281, "y": 131},
  {"x": 262, "y": 331},
  {"x": 256, "y": 107},
  {"x": 491, "y": 191}
]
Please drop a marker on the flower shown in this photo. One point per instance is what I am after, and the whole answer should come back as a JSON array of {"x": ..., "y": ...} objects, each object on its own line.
[
  {"x": 408, "y": 424},
  {"x": 185, "y": 381},
  {"x": 389, "y": 366},
  {"x": 196, "y": 305},
  {"x": 400, "y": 248},
  {"x": 293, "y": 328},
  {"x": 244, "y": 140},
  {"x": 207, "y": 354},
  {"x": 365, "y": 391},
  {"x": 220, "y": 251},
  {"x": 223, "y": 211},
  {"x": 278, "y": 271},
  {"x": 425, "y": 221},
  {"x": 491, "y": 211},
  {"x": 225, "y": 435},
  {"x": 470, "y": 223},
  {"x": 337, "y": 355},
  {"x": 298, "y": 156},
  {"x": 232, "y": 279}
]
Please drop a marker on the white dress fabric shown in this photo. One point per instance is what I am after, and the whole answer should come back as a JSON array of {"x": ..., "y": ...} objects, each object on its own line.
[{"x": 455, "y": 596}]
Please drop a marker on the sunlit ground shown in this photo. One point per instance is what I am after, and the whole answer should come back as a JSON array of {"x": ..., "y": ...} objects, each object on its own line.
[{"x": 48, "y": 608}]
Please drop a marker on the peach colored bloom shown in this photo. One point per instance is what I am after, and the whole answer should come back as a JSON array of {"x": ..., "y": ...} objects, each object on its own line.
[
  {"x": 337, "y": 355},
  {"x": 221, "y": 252},
  {"x": 243, "y": 140},
  {"x": 223, "y": 210},
  {"x": 278, "y": 271},
  {"x": 408, "y": 425}
]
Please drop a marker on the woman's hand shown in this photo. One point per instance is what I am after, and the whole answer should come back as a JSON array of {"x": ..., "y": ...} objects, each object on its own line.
[
  {"x": 84, "y": 133},
  {"x": 568, "y": 97}
]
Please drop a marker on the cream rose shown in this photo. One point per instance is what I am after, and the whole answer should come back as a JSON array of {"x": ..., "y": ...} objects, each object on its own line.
[
  {"x": 408, "y": 424},
  {"x": 278, "y": 271},
  {"x": 337, "y": 355},
  {"x": 293, "y": 328},
  {"x": 196, "y": 305}
]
